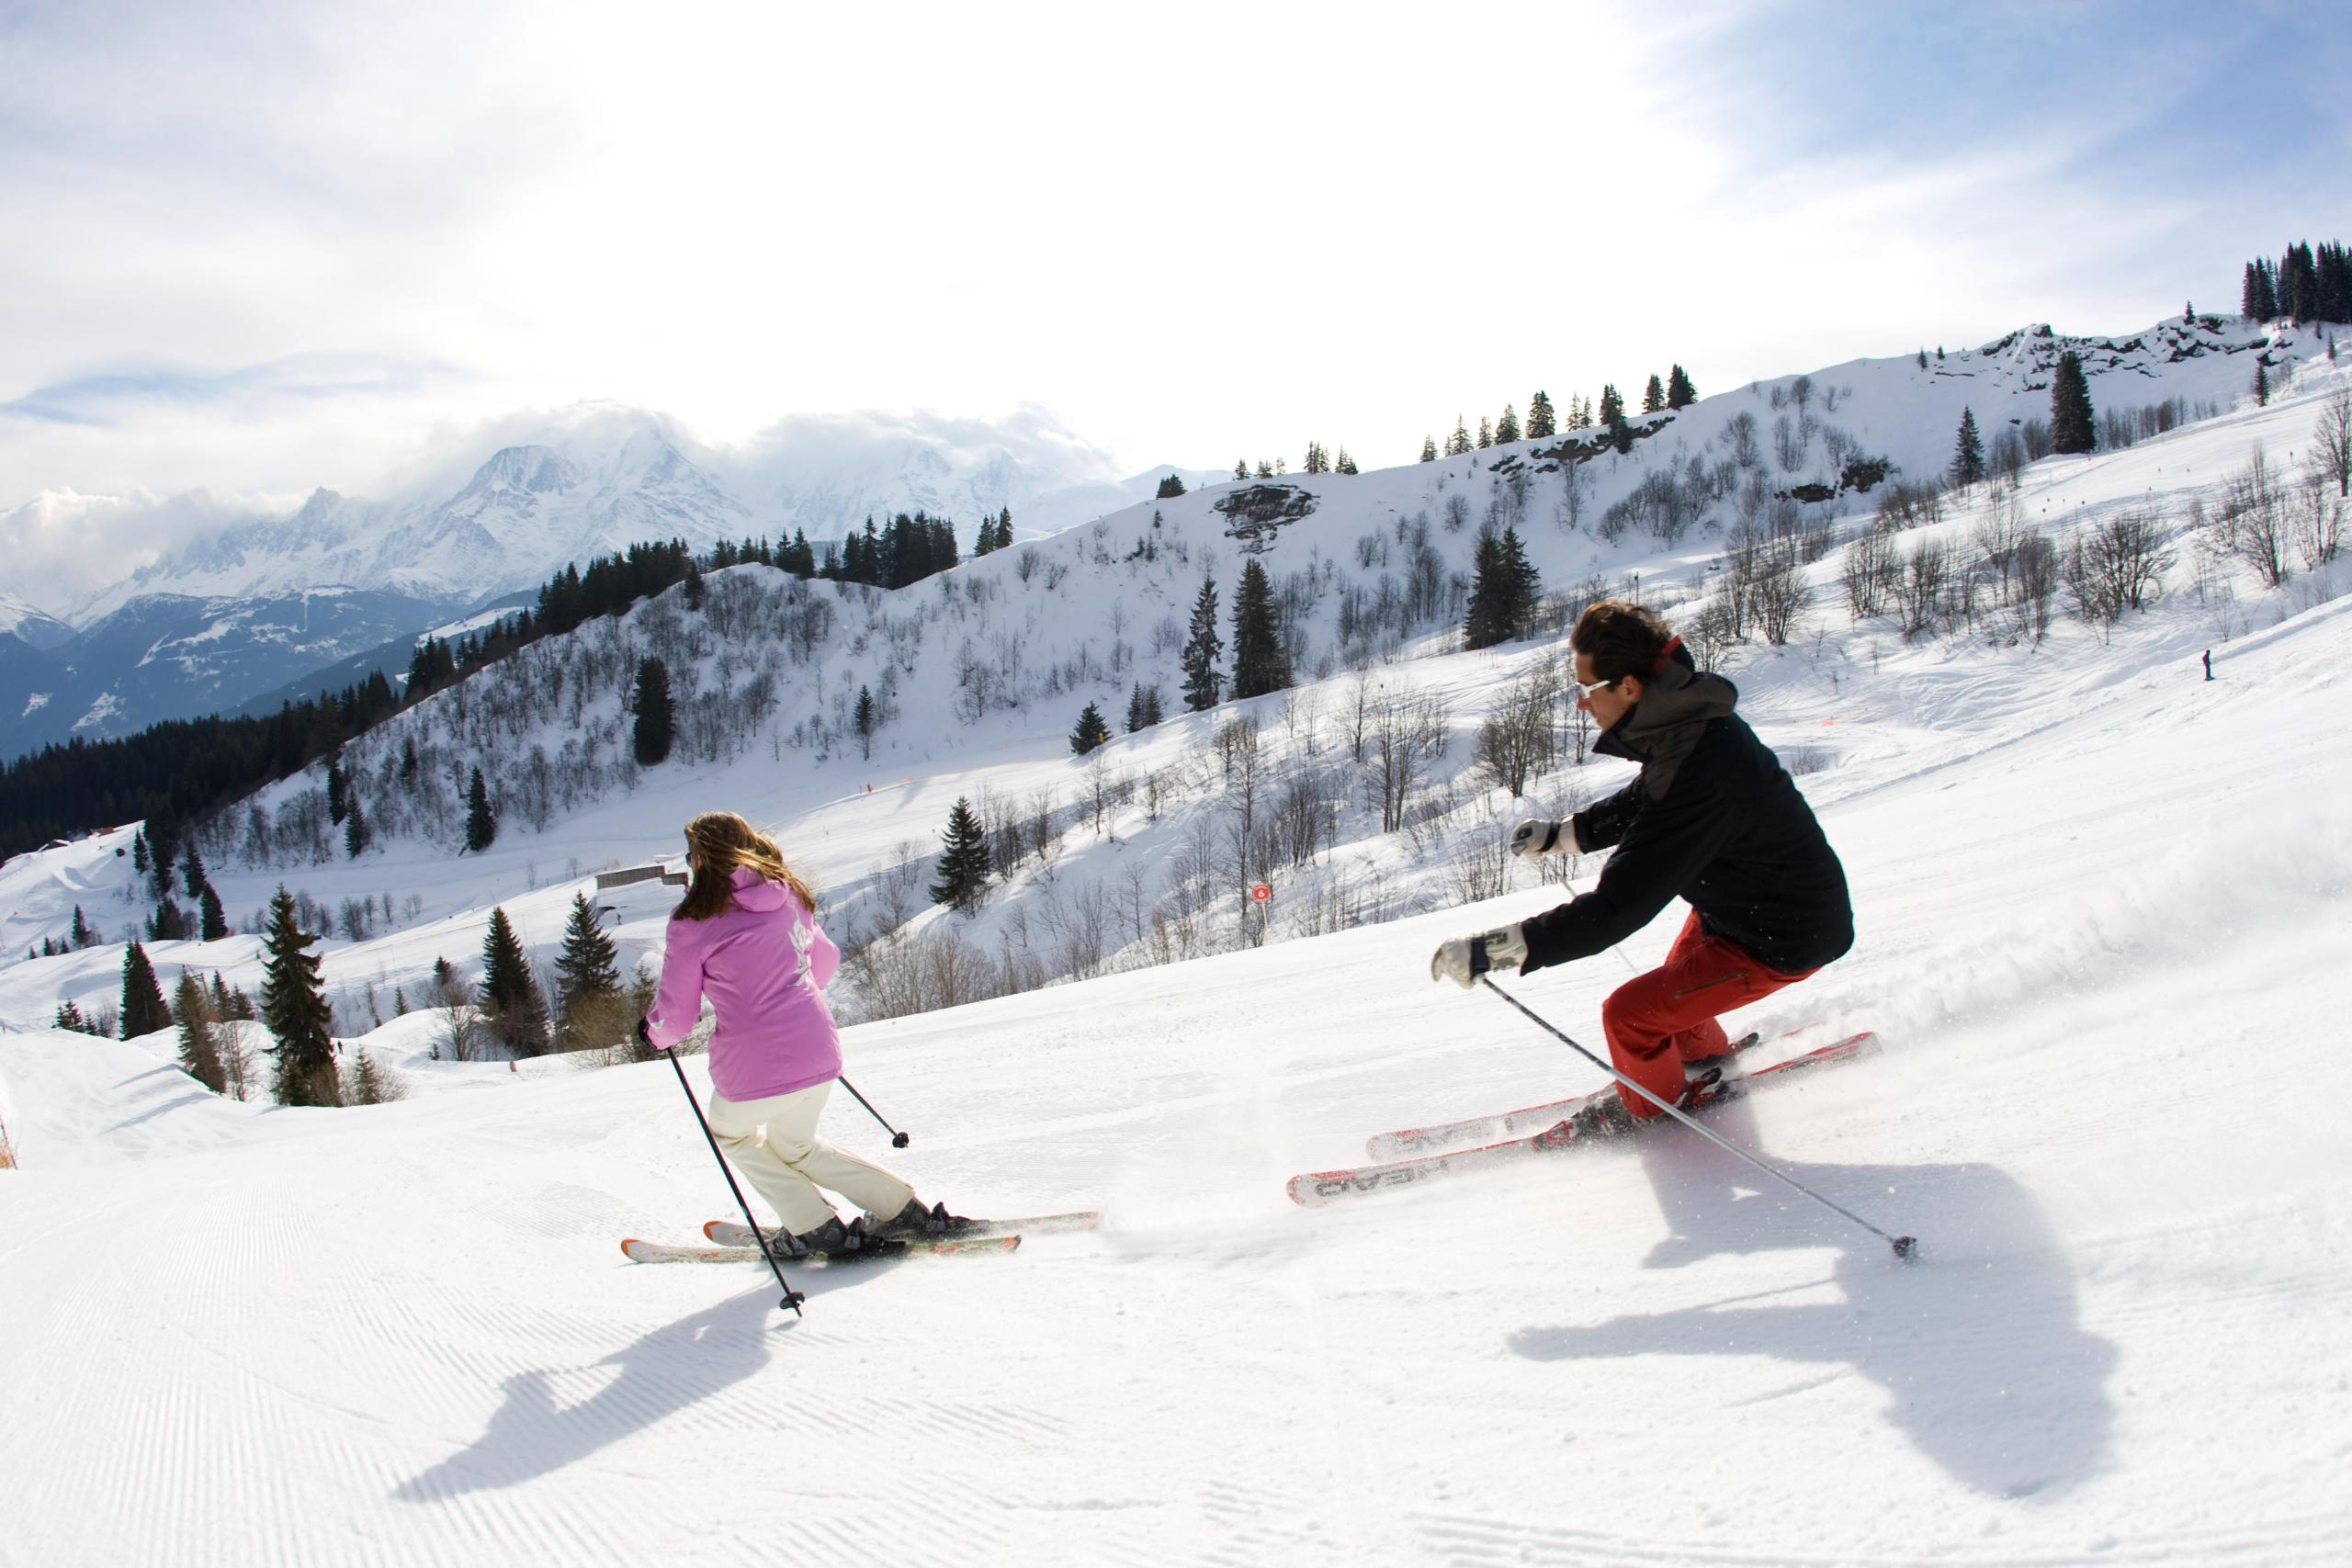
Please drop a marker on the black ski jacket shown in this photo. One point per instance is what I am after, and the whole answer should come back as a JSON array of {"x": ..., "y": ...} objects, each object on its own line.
[{"x": 1714, "y": 818}]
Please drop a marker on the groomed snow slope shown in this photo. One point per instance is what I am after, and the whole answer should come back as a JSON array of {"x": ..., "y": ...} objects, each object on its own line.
[{"x": 2097, "y": 945}]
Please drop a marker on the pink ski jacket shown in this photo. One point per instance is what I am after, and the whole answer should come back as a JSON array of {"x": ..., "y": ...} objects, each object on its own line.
[{"x": 765, "y": 965}]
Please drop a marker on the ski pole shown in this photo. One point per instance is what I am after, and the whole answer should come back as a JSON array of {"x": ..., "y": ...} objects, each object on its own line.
[
  {"x": 792, "y": 1298},
  {"x": 1905, "y": 1247},
  {"x": 898, "y": 1140}
]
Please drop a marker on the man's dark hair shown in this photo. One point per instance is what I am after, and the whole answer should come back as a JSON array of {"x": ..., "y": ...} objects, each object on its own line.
[{"x": 1620, "y": 639}]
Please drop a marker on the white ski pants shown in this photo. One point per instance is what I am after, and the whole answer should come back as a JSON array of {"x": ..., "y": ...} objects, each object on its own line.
[{"x": 774, "y": 1143}]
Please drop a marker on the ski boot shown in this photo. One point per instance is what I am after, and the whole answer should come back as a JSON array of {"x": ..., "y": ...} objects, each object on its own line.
[
  {"x": 915, "y": 1220},
  {"x": 831, "y": 1239}
]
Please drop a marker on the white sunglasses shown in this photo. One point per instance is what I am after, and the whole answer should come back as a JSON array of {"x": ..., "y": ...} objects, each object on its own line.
[{"x": 1584, "y": 690}]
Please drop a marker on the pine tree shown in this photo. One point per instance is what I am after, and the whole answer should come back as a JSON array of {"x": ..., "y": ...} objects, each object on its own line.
[
  {"x": 338, "y": 788},
  {"x": 1502, "y": 591},
  {"x": 1429, "y": 448},
  {"x": 2259, "y": 299},
  {"x": 2261, "y": 385},
  {"x": 162, "y": 846},
  {"x": 192, "y": 872},
  {"x": 1654, "y": 395},
  {"x": 862, "y": 717},
  {"x": 294, "y": 1010},
  {"x": 143, "y": 1011},
  {"x": 1170, "y": 487},
  {"x": 481, "y": 824},
  {"x": 655, "y": 722},
  {"x": 1134, "y": 708},
  {"x": 1968, "y": 452},
  {"x": 139, "y": 851},
  {"x": 83, "y": 935},
  {"x": 1613, "y": 407},
  {"x": 1343, "y": 464},
  {"x": 1459, "y": 442},
  {"x": 1486, "y": 434},
  {"x": 1201, "y": 648},
  {"x": 212, "y": 922},
  {"x": 356, "y": 834},
  {"x": 1542, "y": 421},
  {"x": 1679, "y": 392},
  {"x": 1507, "y": 427},
  {"x": 1241, "y": 467},
  {"x": 68, "y": 1016},
  {"x": 963, "y": 859},
  {"x": 1259, "y": 666},
  {"x": 1526, "y": 582},
  {"x": 587, "y": 969},
  {"x": 1091, "y": 731},
  {"x": 168, "y": 923},
  {"x": 2072, "y": 428},
  {"x": 512, "y": 1005},
  {"x": 1315, "y": 461},
  {"x": 199, "y": 1053},
  {"x": 370, "y": 1083}
]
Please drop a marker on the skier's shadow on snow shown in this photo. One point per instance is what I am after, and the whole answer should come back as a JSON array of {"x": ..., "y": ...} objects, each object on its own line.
[
  {"x": 1979, "y": 1344},
  {"x": 678, "y": 1365}
]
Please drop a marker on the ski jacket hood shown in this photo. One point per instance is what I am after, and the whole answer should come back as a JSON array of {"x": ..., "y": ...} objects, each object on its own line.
[
  {"x": 764, "y": 964},
  {"x": 1659, "y": 731}
]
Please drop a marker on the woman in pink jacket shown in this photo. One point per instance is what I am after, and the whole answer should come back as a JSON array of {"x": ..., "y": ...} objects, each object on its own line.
[{"x": 746, "y": 936}]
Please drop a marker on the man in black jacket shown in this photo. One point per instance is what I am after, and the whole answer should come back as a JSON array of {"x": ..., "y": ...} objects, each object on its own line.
[{"x": 1712, "y": 818}]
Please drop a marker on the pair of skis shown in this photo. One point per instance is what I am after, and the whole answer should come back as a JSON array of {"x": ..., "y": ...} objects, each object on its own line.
[
  {"x": 1428, "y": 1152},
  {"x": 735, "y": 1243}
]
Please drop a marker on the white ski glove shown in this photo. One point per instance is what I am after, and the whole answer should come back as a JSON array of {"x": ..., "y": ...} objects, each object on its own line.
[
  {"x": 1537, "y": 836},
  {"x": 1463, "y": 959}
]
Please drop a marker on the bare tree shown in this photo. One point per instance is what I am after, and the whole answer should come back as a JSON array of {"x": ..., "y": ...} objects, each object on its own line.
[
  {"x": 1407, "y": 733},
  {"x": 1997, "y": 537},
  {"x": 2253, "y": 518},
  {"x": 1780, "y": 595},
  {"x": 2315, "y": 521},
  {"x": 1521, "y": 735},
  {"x": 1355, "y": 711},
  {"x": 2333, "y": 435},
  {"x": 2037, "y": 569},
  {"x": 1924, "y": 572},
  {"x": 1870, "y": 570}
]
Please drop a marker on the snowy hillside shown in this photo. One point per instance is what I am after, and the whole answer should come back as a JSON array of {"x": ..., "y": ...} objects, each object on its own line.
[
  {"x": 2095, "y": 892},
  {"x": 1358, "y": 797}
]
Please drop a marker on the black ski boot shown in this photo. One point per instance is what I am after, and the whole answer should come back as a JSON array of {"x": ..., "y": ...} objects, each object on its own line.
[
  {"x": 1604, "y": 1116},
  {"x": 916, "y": 1221},
  {"x": 832, "y": 1239}
]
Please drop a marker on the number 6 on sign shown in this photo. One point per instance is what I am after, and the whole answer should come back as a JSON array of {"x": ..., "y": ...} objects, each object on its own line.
[{"x": 1261, "y": 892}]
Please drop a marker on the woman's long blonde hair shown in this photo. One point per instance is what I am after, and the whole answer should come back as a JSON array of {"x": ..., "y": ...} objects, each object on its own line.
[{"x": 720, "y": 841}]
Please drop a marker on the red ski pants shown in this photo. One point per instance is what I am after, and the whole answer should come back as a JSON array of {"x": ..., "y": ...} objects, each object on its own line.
[{"x": 1658, "y": 1021}]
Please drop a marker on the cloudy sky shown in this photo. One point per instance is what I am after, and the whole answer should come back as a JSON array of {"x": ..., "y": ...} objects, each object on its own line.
[{"x": 256, "y": 247}]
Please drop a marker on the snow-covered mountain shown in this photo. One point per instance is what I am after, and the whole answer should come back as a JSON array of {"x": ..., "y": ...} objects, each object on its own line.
[{"x": 234, "y": 614}]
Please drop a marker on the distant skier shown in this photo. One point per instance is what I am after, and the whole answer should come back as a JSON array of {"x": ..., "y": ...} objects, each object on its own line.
[
  {"x": 1712, "y": 817},
  {"x": 2208, "y": 664},
  {"x": 746, "y": 935}
]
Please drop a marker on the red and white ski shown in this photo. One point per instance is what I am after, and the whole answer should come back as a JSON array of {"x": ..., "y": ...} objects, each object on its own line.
[
  {"x": 1507, "y": 1124},
  {"x": 1320, "y": 1187}
]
